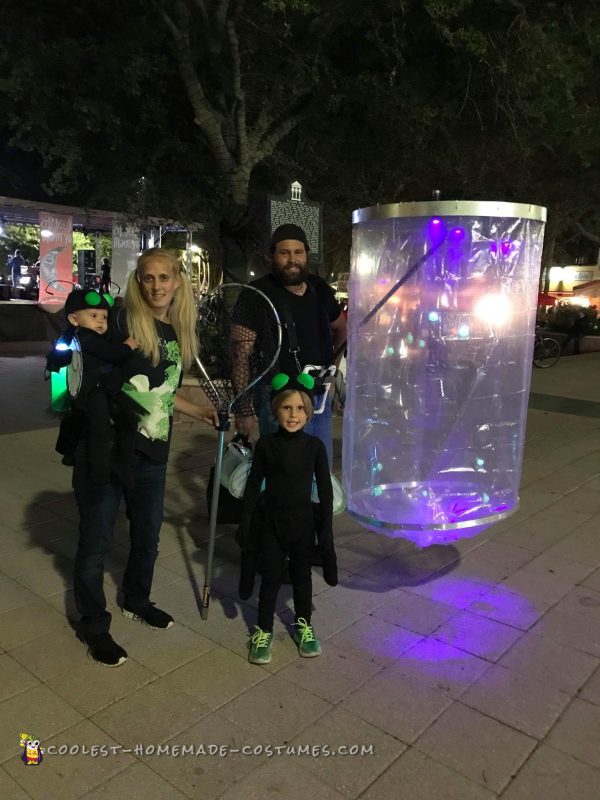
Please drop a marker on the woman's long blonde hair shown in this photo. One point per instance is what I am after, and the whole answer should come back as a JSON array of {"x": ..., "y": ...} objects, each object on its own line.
[{"x": 182, "y": 312}]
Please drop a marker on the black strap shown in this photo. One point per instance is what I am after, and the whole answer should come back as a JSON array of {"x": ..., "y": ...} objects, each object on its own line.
[{"x": 290, "y": 326}]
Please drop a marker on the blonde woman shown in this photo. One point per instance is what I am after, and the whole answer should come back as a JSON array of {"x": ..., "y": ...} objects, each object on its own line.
[{"x": 159, "y": 313}]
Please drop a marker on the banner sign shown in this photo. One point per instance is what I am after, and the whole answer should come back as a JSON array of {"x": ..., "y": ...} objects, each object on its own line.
[
  {"x": 125, "y": 252},
  {"x": 56, "y": 256},
  {"x": 291, "y": 207}
]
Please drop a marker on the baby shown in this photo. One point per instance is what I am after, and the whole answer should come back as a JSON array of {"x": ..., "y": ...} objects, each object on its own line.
[{"x": 100, "y": 404}]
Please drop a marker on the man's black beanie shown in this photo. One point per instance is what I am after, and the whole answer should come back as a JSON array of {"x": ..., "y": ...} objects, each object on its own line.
[{"x": 288, "y": 231}]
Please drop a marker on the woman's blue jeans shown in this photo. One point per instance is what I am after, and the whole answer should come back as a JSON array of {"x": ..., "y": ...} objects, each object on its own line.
[{"x": 98, "y": 507}]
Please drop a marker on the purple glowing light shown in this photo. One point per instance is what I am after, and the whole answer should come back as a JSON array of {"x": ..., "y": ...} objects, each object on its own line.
[
  {"x": 505, "y": 247},
  {"x": 457, "y": 234},
  {"x": 436, "y": 230}
]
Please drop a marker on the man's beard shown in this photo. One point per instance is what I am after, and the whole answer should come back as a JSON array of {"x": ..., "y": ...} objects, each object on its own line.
[{"x": 287, "y": 277}]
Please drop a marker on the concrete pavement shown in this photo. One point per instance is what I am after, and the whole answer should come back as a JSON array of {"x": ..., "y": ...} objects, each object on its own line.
[{"x": 466, "y": 672}]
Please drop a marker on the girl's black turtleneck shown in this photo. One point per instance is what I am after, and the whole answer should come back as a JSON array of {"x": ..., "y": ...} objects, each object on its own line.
[{"x": 287, "y": 462}]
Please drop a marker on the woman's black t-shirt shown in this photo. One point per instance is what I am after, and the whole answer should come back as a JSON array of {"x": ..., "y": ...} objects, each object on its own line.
[{"x": 153, "y": 389}]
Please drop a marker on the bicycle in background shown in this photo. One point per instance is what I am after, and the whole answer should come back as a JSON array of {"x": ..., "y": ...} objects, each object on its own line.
[{"x": 546, "y": 351}]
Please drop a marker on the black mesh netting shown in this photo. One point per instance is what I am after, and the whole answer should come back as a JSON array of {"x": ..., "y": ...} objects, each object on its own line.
[{"x": 239, "y": 337}]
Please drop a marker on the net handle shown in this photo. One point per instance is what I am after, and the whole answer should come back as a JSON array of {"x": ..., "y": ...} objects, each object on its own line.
[{"x": 254, "y": 381}]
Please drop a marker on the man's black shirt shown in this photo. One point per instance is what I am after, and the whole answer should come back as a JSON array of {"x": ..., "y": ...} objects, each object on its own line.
[{"x": 312, "y": 312}]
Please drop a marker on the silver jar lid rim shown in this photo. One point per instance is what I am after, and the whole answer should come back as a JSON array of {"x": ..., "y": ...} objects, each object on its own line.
[{"x": 450, "y": 208}]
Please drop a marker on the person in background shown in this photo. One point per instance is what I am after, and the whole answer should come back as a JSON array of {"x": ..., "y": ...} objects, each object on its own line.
[
  {"x": 105, "y": 275},
  {"x": 16, "y": 263},
  {"x": 575, "y": 332}
]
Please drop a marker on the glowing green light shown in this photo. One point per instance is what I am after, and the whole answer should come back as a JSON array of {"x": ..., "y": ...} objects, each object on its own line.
[
  {"x": 410, "y": 338},
  {"x": 421, "y": 343},
  {"x": 379, "y": 466},
  {"x": 59, "y": 396},
  {"x": 390, "y": 351},
  {"x": 424, "y": 492},
  {"x": 480, "y": 462},
  {"x": 486, "y": 498},
  {"x": 463, "y": 331},
  {"x": 433, "y": 316},
  {"x": 376, "y": 491}
]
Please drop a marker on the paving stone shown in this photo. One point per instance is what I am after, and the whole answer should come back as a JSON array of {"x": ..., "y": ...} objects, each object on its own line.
[
  {"x": 553, "y": 775},
  {"x": 137, "y": 782},
  {"x": 571, "y": 630},
  {"x": 50, "y": 655},
  {"x": 212, "y": 771},
  {"x": 578, "y": 732},
  {"x": 22, "y": 625},
  {"x": 538, "y": 587},
  {"x": 591, "y": 690},
  {"x": 419, "y": 777},
  {"x": 70, "y": 775},
  {"x": 374, "y": 639},
  {"x": 369, "y": 751},
  {"x": 10, "y": 789},
  {"x": 418, "y": 614},
  {"x": 89, "y": 686},
  {"x": 478, "y": 635},
  {"x": 522, "y": 702},
  {"x": 333, "y": 675},
  {"x": 476, "y": 746},
  {"x": 38, "y": 711},
  {"x": 581, "y": 601},
  {"x": 569, "y": 571},
  {"x": 538, "y": 657},
  {"x": 14, "y": 595},
  {"x": 278, "y": 778},
  {"x": 592, "y": 581},
  {"x": 151, "y": 714},
  {"x": 511, "y": 607},
  {"x": 404, "y": 698},
  {"x": 288, "y": 708},
  {"x": 216, "y": 677},
  {"x": 13, "y": 678}
]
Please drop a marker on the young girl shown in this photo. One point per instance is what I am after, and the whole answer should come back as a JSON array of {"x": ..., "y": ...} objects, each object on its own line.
[{"x": 283, "y": 524}]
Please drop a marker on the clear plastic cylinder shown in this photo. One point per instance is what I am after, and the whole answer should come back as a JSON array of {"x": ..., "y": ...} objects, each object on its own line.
[{"x": 441, "y": 321}]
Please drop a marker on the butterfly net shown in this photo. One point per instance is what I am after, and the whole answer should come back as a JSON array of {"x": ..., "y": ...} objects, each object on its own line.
[{"x": 239, "y": 335}]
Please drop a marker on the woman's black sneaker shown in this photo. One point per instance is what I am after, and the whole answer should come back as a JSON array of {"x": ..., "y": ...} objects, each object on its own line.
[
  {"x": 151, "y": 616},
  {"x": 103, "y": 649}
]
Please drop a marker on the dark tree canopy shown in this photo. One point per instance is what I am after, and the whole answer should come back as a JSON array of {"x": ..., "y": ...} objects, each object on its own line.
[{"x": 195, "y": 109}]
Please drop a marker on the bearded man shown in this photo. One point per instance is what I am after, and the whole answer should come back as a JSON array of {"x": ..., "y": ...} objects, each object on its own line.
[{"x": 313, "y": 324}]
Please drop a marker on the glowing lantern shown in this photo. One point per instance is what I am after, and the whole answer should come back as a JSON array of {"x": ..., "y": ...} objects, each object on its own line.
[{"x": 442, "y": 416}]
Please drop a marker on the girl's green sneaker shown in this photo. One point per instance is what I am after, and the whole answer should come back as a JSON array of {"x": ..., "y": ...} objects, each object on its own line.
[
  {"x": 304, "y": 636},
  {"x": 260, "y": 646}
]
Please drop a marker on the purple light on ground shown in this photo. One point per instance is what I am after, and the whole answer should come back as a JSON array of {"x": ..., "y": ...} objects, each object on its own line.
[
  {"x": 448, "y": 668},
  {"x": 505, "y": 604}
]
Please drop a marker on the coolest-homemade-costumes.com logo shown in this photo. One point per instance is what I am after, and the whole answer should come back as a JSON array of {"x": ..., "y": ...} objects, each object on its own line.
[{"x": 33, "y": 752}]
